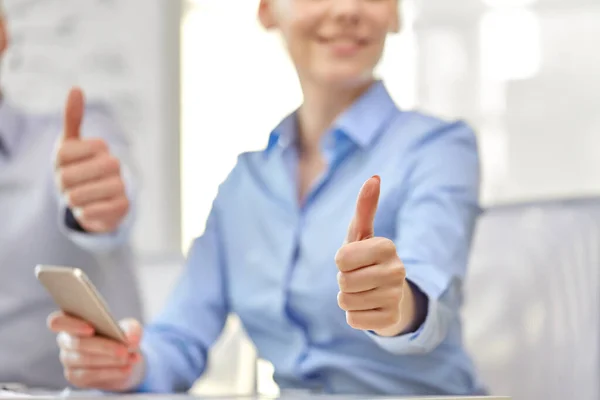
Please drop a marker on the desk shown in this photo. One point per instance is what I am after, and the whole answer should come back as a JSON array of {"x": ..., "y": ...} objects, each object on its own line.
[
  {"x": 307, "y": 396},
  {"x": 301, "y": 395}
]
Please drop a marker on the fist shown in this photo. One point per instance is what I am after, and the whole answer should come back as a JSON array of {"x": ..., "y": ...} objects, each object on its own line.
[
  {"x": 88, "y": 176},
  {"x": 93, "y": 362},
  {"x": 371, "y": 276}
]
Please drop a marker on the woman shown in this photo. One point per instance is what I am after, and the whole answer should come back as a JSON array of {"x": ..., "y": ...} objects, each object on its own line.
[{"x": 378, "y": 315}]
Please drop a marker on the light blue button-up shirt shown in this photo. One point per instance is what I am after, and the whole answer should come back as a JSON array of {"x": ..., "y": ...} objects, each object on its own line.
[
  {"x": 271, "y": 260},
  {"x": 33, "y": 230}
]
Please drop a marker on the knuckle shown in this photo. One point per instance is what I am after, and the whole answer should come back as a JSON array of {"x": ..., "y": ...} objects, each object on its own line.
[
  {"x": 342, "y": 299},
  {"x": 341, "y": 256},
  {"x": 61, "y": 155},
  {"x": 99, "y": 145},
  {"x": 119, "y": 185},
  {"x": 108, "y": 164},
  {"x": 354, "y": 320},
  {"x": 74, "y": 197},
  {"x": 397, "y": 294},
  {"x": 123, "y": 205},
  {"x": 114, "y": 164},
  {"x": 396, "y": 274},
  {"x": 64, "y": 178},
  {"x": 343, "y": 281},
  {"x": 387, "y": 246}
]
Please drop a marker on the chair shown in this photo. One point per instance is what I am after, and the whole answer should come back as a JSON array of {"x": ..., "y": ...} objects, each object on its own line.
[{"x": 532, "y": 300}]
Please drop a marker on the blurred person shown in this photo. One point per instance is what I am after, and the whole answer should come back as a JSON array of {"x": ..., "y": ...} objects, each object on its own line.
[
  {"x": 66, "y": 198},
  {"x": 378, "y": 315}
]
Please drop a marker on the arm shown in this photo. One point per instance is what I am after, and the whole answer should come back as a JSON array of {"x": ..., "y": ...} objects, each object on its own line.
[
  {"x": 175, "y": 346},
  {"x": 99, "y": 123},
  {"x": 435, "y": 226}
]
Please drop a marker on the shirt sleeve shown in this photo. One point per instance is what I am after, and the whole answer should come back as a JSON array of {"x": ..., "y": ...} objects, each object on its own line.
[
  {"x": 435, "y": 227},
  {"x": 175, "y": 345},
  {"x": 100, "y": 123}
]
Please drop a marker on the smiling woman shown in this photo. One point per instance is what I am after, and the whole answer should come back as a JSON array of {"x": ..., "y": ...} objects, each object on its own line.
[
  {"x": 378, "y": 313},
  {"x": 253, "y": 76},
  {"x": 266, "y": 87}
]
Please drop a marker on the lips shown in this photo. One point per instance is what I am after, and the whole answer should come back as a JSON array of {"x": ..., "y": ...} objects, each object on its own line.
[{"x": 343, "y": 45}]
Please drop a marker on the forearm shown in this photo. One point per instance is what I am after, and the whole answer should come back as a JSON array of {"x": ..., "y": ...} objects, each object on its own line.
[{"x": 171, "y": 363}]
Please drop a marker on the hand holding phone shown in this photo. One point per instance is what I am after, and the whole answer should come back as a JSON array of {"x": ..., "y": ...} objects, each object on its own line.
[
  {"x": 96, "y": 351},
  {"x": 95, "y": 362}
]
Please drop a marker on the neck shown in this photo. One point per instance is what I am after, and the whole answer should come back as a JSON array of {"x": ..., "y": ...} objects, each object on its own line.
[{"x": 321, "y": 106}]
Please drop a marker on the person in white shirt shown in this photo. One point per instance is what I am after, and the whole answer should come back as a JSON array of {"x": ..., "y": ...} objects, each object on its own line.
[{"x": 66, "y": 198}]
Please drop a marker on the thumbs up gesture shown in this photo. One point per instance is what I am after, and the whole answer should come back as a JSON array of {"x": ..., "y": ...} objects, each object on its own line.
[
  {"x": 88, "y": 176},
  {"x": 371, "y": 276}
]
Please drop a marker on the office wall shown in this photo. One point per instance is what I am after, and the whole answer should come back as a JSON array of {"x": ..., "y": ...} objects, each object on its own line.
[
  {"x": 525, "y": 73},
  {"x": 125, "y": 53}
]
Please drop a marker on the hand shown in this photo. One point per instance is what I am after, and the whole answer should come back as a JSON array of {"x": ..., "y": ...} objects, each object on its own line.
[
  {"x": 371, "y": 276},
  {"x": 88, "y": 175},
  {"x": 93, "y": 362}
]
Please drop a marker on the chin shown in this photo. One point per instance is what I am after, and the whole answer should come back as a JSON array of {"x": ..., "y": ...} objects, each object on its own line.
[{"x": 345, "y": 77}]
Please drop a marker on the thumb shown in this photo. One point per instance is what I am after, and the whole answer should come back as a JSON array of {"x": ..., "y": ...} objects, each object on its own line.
[
  {"x": 361, "y": 226},
  {"x": 73, "y": 113},
  {"x": 133, "y": 331}
]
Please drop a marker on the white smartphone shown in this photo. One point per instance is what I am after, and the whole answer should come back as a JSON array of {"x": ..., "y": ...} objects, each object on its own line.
[{"x": 75, "y": 295}]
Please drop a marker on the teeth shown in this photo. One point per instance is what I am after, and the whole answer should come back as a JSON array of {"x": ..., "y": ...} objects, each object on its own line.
[{"x": 344, "y": 42}]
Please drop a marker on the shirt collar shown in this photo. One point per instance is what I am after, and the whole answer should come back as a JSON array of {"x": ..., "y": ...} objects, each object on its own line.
[
  {"x": 10, "y": 126},
  {"x": 361, "y": 122}
]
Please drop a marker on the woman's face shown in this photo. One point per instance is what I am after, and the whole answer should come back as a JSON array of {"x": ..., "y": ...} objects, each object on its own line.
[{"x": 332, "y": 42}]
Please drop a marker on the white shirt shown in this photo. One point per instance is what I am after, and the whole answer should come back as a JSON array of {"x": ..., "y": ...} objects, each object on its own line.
[{"x": 33, "y": 231}]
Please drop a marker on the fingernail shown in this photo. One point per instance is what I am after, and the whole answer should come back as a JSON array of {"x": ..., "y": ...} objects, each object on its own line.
[
  {"x": 377, "y": 177},
  {"x": 77, "y": 212},
  {"x": 86, "y": 331}
]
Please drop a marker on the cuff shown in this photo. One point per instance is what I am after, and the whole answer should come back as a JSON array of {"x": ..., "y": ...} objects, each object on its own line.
[
  {"x": 153, "y": 380},
  {"x": 424, "y": 339},
  {"x": 435, "y": 327}
]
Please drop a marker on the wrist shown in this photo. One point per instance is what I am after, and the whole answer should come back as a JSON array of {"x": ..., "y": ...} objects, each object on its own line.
[{"x": 407, "y": 320}]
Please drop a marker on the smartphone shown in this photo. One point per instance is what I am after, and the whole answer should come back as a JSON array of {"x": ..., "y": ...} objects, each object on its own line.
[{"x": 75, "y": 295}]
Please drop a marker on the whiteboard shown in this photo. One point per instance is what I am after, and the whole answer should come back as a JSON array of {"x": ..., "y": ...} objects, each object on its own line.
[{"x": 125, "y": 52}]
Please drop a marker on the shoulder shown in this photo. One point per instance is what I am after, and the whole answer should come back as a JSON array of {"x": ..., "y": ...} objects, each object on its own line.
[
  {"x": 431, "y": 149},
  {"x": 427, "y": 130},
  {"x": 247, "y": 164}
]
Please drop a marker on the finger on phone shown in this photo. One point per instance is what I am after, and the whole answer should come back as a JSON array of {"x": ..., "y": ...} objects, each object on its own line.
[
  {"x": 75, "y": 359},
  {"x": 93, "y": 377},
  {"x": 92, "y": 345},
  {"x": 61, "y": 322}
]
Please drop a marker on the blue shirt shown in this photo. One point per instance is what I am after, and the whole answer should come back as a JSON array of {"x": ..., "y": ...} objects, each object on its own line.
[{"x": 271, "y": 260}]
